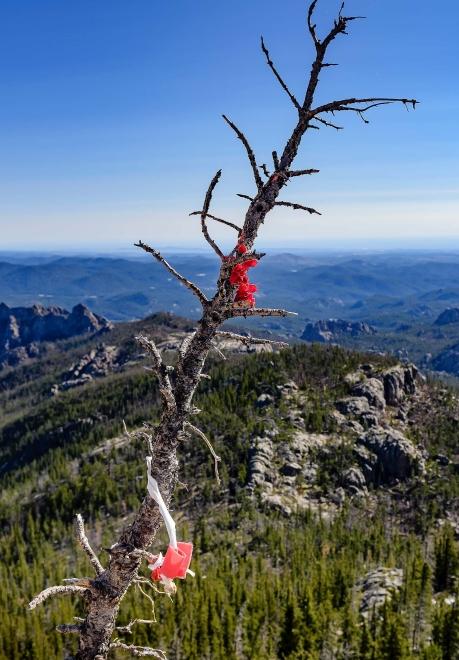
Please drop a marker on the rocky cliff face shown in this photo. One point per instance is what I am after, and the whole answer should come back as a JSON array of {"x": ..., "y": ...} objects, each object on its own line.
[
  {"x": 23, "y": 329},
  {"x": 333, "y": 330}
]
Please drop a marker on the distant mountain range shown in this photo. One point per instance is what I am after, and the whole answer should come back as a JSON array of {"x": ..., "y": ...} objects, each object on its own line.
[{"x": 400, "y": 294}]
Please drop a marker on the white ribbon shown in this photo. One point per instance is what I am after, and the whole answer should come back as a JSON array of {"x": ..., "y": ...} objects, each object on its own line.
[{"x": 153, "y": 491}]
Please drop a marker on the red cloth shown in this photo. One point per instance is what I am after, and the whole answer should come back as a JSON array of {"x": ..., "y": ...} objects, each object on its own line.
[
  {"x": 238, "y": 277},
  {"x": 176, "y": 562}
]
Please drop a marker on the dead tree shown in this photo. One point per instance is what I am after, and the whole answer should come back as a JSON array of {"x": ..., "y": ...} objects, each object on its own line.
[{"x": 103, "y": 594}]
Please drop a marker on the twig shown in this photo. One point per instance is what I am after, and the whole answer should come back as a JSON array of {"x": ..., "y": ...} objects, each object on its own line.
[
  {"x": 245, "y": 196},
  {"x": 128, "y": 628},
  {"x": 203, "y": 436},
  {"x": 297, "y": 207},
  {"x": 250, "y": 154},
  {"x": 265, "y": 170},
  {"x": 53, "y": 591},
  {"x": 329, "y": 123},
  {"x": 190, "y": 285},
  {"x": 165, "y": 386},
  {"x": 185, "y": 343},
  {"x": 291, "y": 173},
  {"x": 223, "y": 222},
  {"x": 83, "y": 541},
  {"x": 139, "y": 650},
  {"x": 69, "y": 628},
  {"x": 280, "y": 80},
  {"x": 275, "y": 160},
  {"x": 205, "y": 211},
  {"x": 218, "y": 351},
  {"x": 312, "y": 26},
  {"x": 259, "y": 311},
  {"x": 248, "y": 340}
]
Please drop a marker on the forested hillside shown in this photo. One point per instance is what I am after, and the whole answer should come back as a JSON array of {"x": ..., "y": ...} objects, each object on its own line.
[{"x": 333, "y": 533}]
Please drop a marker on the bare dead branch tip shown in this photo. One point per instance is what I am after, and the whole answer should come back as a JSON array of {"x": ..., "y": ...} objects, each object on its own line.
[
  {"x": 223, "y": 222},
  {"x": 248, "y": 340},
  {"x": 203, "y": 436},
  {"x": 139, "y": 650},
  {"x": 165, "y": 386},
  {"x": 83, "y": 541},
  {"x": 277, "y": 75},
  {"x": 291, "y": 173},
  {"x": 297, "y": 207},
  {"x": 347, "y": 105},
  {"x": 250, "y": 154},
  {"x": 205, "y": 214},
  {"x": 259, "y": 311},
  {"x": 54, "y": 591},
  {"x": 190, "y": 285},
  {"x": 69, "y": 628},
  {"x": 127, "y": 629},
  {"x": 265, "y": 170}
]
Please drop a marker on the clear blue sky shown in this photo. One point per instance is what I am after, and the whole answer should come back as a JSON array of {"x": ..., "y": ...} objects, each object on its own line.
[{"x": 110, "y": 119}]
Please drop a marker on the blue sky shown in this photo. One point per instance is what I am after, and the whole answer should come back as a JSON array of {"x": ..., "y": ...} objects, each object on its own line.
[{"x": 110, "y": 120}]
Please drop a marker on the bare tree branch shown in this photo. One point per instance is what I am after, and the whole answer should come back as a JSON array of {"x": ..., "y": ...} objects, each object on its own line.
[
  {"x": 276, "y": 73},
  {"x": 54, "y": 591},
  {"x": 139, "y": 650},
  {"x": 218, "y": 351},
  {"x": 83, "y": 541},
  {"x": 248, "y": 340},
  {"x": 203, "y": 436},
  {"x": 250, "y": 154},
  {"x": 190, "y": 285},
  {"x": 265, "y": 170},
  {"x": 69, "y": 628},
  {"x": 291, "y": 173},
  {"x": 205, "y": 211},
  {"x": 329, "y": 123},
  {"x": 343, "y": 104},
  {"x": 223, "y": 222},
  {"x": 127, "y": 629},
  {"x": 259, "y": 311},
  {"x": 312, "y": 26},
  {"x": 275, "y": 160},
  {"x": 245, "y": 196},
  {"x": 297, "y": 207},
  {"x": 165, "y": 386}
]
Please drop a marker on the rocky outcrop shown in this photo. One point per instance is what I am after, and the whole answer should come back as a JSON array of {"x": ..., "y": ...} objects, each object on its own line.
[
  {"x": 392, "y": 457},
  {"x": 372, "y": 390},
  {"x": 99, "y": 362},
  {"x": 333, "y": 330},
  {"x": 449, "y": 315},
  {"x": 398, "y": 382},
  {"x": 23, "y": 329},
  {"x": 377, "y": 586}
]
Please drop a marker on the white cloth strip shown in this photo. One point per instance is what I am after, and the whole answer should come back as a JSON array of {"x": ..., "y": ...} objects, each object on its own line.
[{"x": 153, "y": 491}]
